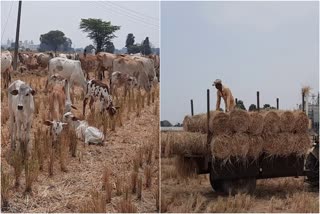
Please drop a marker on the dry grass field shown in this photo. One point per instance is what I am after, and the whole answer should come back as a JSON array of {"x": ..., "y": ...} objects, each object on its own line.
[
  {"x": 196, "y": 195},
  {"x": 122, "y": 176}
]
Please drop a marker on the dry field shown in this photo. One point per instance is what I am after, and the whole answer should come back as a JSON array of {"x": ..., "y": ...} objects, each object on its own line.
[
  {"x": 196, "y": 195},
  {"x": 121, "y": 176}
]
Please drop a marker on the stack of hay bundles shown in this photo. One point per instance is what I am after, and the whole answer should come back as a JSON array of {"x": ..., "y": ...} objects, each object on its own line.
[{"x": 243, "y": 134}]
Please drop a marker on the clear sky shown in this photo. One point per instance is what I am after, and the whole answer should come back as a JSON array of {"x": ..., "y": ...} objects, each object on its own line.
[
  {"x": 139, "y": 18},
  {"x": 272, "y": 47}
]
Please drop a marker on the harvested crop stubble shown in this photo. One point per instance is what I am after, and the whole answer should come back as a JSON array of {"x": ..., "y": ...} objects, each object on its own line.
[
  {"x": 188, "y": 143},
  {"x": 271, "y": 123},
  {"x": 284, "y": 144},
  {"x": 256, "y": 123},
  {"x": 239, "y": 120},
  {"x": 301, "y": 122},
  {"x": 185, "y": 167},
  {"x": 286, "y": 121}
]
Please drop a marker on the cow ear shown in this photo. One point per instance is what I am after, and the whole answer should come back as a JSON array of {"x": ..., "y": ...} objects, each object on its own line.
[
  {"x": 48, "y": 123},
  {"x": 33, "y": 92},
  {"x": 14, "y": 92}
]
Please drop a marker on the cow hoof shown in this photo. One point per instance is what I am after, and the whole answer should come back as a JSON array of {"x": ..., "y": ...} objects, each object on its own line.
[
  {"x": 64, "y": 170},
  {"x": 28, "y": 191}
]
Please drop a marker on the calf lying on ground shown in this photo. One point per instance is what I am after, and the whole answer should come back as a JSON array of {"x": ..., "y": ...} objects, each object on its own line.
[{"x": 89, "y": 134}]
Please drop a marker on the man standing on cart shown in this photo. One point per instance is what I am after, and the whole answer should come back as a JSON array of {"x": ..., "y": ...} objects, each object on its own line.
[{"x": 224, "y": 92}]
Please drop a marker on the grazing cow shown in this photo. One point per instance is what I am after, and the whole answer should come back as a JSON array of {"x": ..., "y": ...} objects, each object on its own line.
[
  {"x": 98, "y": 90},
  {"x": 156, "y": 60},
  {"x": 69, "y": 70},
  {"x": 134, "y": 67},
  {"x": 43, "y": 59},
  {"x": 105, "y": 61},
  {"x": 119, "y": 79},
  {"x": 6, "y": 67},
  {"x": 58, "y": 103},
  {"x": 89, "y": 134},
  {"x": 21, "y": 109},
  {"x": 89, "y": 64}
]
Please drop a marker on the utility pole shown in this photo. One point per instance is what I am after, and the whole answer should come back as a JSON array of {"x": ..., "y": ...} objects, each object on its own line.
[{"x": 16, "y": 45}]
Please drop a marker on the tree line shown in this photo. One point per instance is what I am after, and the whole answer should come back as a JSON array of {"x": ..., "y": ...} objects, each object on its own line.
[{"x": 100, "y": 32}]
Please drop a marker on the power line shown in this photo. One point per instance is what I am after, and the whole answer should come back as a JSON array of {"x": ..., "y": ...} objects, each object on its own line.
[
  {"x": 127, "y": 15},
  {"x": 133, "y": 11},
  {"x": 7, "y": 20}
]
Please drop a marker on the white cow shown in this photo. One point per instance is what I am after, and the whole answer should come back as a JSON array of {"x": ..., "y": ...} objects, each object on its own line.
[
  {"x": 21, "y": 109},
  {"x": 84, "y": 132},
  {"x": 6, "y": 67},
  {"x": 69, "y": 70}
]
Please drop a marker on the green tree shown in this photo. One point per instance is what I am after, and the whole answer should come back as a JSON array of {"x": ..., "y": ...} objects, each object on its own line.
[
  {"x": 67, "y": 45},
  {"x": 109, "y": 47},
  {"x": 252, "y": 107},
  {"x": 240, "y": 105},
  {"x": 265, "y": 106},
  {"x": 52, "y": 40},
  {"x": 134, "y": 49},
  {"x": 145, "y": 48},
  {"x": 89, "y": 48},
  {"x": 99, "y": 31},
  {"x": 130, "y": 40}
]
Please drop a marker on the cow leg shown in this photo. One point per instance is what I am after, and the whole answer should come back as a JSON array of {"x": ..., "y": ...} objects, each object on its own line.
[{"x": 84, "y": 106}]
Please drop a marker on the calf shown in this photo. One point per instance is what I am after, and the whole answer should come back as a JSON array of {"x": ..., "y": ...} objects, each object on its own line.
[
  {"x": 21, "y": 109},
  {"x": 119, "y": 79},
  {"x": 89, "y": 134},
  {"x": 98, "y": 90},
  {"x": 56, "y": 128}
]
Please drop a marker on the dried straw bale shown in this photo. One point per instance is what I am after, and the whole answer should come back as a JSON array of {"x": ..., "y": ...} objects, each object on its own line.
[
  {"x": 219, "y": 123},
  {"x": 271, "y": 123},
  {"x": 239, "y": 120},
  {"x": 196, "y": 123},
  {"x": 255, "y": 147},
  {"x": 286, "y": 121},
  {"x": 183, "y": 143},
  {"x": 301, "y": 122},
  {"x": 256, "y": 123},
  {"x": 220, "y": 146}
]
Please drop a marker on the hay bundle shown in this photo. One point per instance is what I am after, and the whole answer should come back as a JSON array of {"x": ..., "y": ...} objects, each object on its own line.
[
  {"x": 256, "y": 123},
  {"x": 219, "y": 123},
  {"x": 302, "y": 143},
  {"x": 255, "y": 147},
  {"x": 301, "y": 122},
  {"x": 197, "y": 123},
  {"x": 286, "y": 121},
  {"x": 285, "y": 144},
  {"x": 239, "y": 120},
  {"x": 278, "y": 144},
  {"x": 183, "y": 143},
  {"x": 220, "y": 146},
  {"x": 240, "y": 145},
  {"x": 271, "y": 123}
]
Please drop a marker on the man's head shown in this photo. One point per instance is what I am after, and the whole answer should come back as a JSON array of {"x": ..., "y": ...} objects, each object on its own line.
[{"x": 218, "y": 84}]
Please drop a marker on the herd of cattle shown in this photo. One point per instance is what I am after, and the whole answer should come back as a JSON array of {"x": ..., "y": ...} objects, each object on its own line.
[{"x": 64, "y": 71}]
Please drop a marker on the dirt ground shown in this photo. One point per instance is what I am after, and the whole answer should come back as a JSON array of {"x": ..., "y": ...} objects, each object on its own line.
[
  {"x": 70, "y": 191},
  {"x": 196, "y": 195}
]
